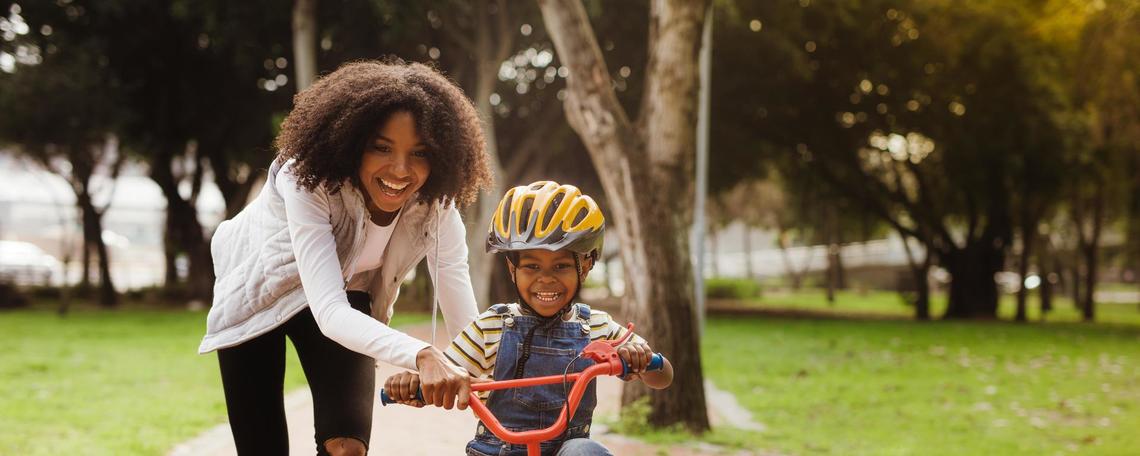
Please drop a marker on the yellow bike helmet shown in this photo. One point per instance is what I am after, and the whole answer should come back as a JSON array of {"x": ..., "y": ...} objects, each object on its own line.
[{"x": 546, "y": 215}]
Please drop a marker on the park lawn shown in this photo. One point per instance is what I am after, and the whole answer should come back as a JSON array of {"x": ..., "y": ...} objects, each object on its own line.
[
  {"x": 891, "y": 304},
  {"x": 110, "y": 382},
  {"x": 899, "y": 387}
]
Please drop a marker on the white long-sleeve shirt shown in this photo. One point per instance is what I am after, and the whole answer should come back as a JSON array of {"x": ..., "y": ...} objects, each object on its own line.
[{"x": 322, "y": 276}]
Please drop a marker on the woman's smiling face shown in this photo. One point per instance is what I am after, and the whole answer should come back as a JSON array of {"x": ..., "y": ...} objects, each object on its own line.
[
  {"x": 547, "y": 280},
  {"x": 394, "y": 164}
]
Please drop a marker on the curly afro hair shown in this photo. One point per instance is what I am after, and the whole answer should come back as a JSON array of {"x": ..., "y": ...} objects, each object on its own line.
[{"x": 333, "y": 120}]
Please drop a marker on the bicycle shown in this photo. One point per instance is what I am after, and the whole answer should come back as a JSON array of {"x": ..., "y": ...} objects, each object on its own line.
[{"x": 606, "y": 362}]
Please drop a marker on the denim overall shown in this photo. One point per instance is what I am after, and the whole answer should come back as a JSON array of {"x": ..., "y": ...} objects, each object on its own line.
[{"x": 537, "y": 407}]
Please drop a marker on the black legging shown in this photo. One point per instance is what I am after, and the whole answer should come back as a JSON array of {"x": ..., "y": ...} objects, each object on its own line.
[{"x": 342, "y": 383}]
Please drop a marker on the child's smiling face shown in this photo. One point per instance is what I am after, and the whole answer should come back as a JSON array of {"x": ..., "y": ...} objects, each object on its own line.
[{"x": 547, "y": 280}]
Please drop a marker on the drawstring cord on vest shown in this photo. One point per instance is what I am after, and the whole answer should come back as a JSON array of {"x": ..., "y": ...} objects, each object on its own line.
[{"x": 434, "y": 285}]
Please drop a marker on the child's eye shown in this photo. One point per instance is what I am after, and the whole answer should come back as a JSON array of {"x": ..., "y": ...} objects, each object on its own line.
[{"x": 563, "y": 267}]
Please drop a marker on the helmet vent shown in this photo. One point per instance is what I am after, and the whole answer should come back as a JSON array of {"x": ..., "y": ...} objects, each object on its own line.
[
  {"x": 525, "y": 215},
  {"x": 582, "y": 213},
  {"x": 505, "y": 216},
  {"x": 551, "y": 210}
]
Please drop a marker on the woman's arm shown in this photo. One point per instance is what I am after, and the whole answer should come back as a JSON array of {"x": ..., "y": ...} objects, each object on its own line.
[
  {"x": 453, "y": 278},
  {"x": 321, "y": 278}
]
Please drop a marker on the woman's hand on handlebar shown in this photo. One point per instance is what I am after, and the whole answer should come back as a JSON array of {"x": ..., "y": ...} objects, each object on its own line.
[
  {"x": 403, "y": 387},
  {"x": 441, "y": 381}
]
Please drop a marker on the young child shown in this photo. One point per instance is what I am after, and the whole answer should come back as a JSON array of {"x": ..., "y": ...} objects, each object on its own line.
[{"x": 551, "y": 235}]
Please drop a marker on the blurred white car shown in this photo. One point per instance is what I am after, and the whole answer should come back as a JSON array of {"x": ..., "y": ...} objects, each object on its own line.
[{"x": 23, "y": 263}]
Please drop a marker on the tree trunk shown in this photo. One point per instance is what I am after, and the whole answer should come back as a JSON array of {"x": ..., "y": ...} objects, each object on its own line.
[
  {"x": 184, "y": 232},
  {"x": 922, "y": 290},
  {"x": 93, "y": 235},
  {"x": 1088, "y": 246},
  {"x": 234, "y": 184},
  {"x": 1088, "y": 304},
  {"x": 793, "y": 274},
  {"x": 305, "y": 42},
  {"x": 973, "y": 291},
  {"x": 1075, "y": 278},
  {"x": 921, "y": 272},
  {"x": 657, "y": 154},
  {"x": 1028, "y": 228},
  {"x": 1044, "y": 266},
  {"x": 85, "y": 259},
  {"x": 832, "y": 276},
  {"x": 1090, "y": 251},
  {"x": 489, "y": 53}
]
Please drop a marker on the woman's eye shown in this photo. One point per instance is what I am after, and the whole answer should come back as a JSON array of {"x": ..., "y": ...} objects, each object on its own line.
[
  {"x": 422, "y": 153},
  {"x": 381, "y": 148}
]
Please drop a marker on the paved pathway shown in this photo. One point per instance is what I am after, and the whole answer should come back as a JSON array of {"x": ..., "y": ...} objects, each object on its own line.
[{"x": 435, "y": 431}]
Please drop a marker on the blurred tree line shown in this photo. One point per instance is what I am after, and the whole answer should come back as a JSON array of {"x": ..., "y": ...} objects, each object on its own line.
[{"x": 994, "y": 134}]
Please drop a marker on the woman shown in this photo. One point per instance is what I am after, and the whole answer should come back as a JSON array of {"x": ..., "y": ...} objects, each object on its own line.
[{"x": 372, "y": 161}]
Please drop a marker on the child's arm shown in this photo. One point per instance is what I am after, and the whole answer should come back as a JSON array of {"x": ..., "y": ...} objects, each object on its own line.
[{"x": 637, "y": 355}]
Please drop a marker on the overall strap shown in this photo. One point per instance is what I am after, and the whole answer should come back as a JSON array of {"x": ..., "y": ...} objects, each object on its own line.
[{"x": 584, "y": 312}]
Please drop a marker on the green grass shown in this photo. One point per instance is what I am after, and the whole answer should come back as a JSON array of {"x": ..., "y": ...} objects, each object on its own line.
[
  {"x": 109, "y": 382},
  {"x": 899, "y": 387},
  {"x": 886, "y": 303}
]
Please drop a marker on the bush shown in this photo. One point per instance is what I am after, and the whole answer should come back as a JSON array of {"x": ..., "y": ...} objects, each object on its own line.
[
  {"x": 720, "y": 288},
  {"x": 11, "y": 298},
  {"x": 45, "y": 292}
]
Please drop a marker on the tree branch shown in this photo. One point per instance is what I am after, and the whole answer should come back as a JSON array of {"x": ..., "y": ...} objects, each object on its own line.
[{"x": 591, "y": 106}]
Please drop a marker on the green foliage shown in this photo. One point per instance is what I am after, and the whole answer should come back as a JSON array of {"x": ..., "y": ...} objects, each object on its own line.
[
  {"x": 634, "y": 419},
  {"x": 724, "y": 288}
]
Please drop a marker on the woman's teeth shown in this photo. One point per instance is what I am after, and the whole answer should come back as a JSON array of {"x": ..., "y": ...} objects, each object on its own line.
[
  {"x": 548, "y": 297},
  {"x": 391, "y": 188}
]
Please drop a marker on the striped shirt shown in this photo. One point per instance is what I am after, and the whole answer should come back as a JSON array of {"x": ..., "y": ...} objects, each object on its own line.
[{"x": 475, "y": 348}]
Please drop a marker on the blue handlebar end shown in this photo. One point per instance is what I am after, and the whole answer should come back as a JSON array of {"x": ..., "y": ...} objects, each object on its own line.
[
  {"x": 385, "y": 399},
  {"x": 657, "y": 362}
]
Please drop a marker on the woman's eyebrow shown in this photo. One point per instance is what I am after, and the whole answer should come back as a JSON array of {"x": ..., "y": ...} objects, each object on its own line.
[{"x": 389, "y": 141}]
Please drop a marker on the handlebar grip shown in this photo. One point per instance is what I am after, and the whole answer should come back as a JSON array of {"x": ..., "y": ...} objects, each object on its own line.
[
  {"x": 657, "y": 362},
  {"x": 385, "y": 399}
]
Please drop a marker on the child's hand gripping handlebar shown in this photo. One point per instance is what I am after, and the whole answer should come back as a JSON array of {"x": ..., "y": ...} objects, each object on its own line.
[{"x": 607, "y": 362}]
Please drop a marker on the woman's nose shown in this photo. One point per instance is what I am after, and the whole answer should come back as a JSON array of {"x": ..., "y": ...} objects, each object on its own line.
[{"x": 400, "y": 166}]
